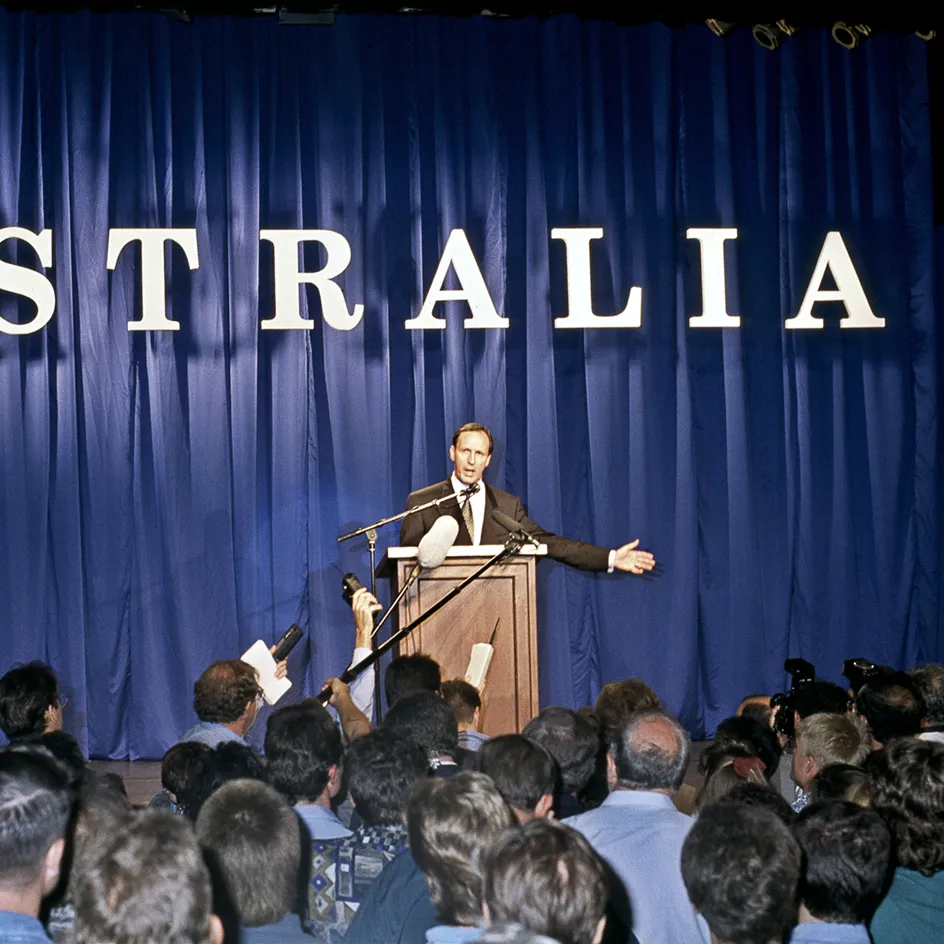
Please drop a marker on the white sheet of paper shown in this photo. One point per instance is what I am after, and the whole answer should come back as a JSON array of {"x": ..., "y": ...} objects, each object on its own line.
[
  {"x": 259, "y": 657},
  {"x": 479, "y": 662}
]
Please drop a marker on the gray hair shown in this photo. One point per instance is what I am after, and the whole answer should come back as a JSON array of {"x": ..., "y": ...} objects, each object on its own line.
[{"x": 651, "y": 752}]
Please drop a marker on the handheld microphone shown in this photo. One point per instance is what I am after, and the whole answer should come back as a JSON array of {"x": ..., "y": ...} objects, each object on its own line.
[
  {"x": 288, "y": 642},
  {"x": 513, "y": 527},
  {"x": 435, "y": 544},
  {"x": 349, "y": 586}
]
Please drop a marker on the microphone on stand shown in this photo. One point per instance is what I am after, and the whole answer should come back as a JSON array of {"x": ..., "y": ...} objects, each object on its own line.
[{"x": 514, "y": 528}]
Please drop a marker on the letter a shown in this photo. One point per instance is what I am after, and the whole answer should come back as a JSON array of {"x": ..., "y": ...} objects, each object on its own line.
[
  {"x": 849, "y": 291},
  {"x": 458, "y": 254}
]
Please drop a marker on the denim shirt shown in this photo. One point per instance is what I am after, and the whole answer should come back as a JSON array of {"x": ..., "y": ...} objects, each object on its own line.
[{"x": 16, "y": 928}]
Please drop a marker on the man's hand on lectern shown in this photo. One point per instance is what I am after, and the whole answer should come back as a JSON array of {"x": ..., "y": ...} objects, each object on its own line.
[
  {"x": 631, "y": 560},
  {"x": 364, "y": 604}
]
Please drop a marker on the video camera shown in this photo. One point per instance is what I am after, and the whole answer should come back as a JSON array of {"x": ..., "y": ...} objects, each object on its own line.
[
  {"x": 859, "y": 671},
  {"x": 784, "y": 703}
]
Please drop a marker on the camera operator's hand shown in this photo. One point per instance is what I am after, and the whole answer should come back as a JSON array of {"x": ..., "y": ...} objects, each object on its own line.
[
  {"x": 364, "y": 604},
  {"x": 354, "y": 722}
]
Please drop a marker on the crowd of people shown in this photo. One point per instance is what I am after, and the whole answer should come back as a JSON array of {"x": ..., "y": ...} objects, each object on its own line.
[{"x": 822, "y": 827}]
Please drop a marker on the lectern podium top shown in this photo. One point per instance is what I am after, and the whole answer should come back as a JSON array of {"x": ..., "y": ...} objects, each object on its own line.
[{"x": 467, "y": 550}]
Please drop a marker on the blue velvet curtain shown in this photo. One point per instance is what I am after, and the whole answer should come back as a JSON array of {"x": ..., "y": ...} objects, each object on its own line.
[{"x": 170, "y": 497}]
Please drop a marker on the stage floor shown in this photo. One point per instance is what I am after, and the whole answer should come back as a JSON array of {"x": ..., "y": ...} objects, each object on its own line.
[{"x": 143, "y": 777}]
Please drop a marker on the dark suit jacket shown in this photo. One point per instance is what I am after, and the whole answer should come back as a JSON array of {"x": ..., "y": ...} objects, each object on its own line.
[{"x": 575, "y": 553}]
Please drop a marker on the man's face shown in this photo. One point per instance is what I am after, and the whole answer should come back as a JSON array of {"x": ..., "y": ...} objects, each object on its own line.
[
  {"x": 804, "y": 769},
  {"x": 470, "y": 456}
]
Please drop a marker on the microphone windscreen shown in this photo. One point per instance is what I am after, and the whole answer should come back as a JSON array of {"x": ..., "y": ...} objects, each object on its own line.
[
  {"x": 436, "y": 542},
  {"x": 506, "y": 521}
]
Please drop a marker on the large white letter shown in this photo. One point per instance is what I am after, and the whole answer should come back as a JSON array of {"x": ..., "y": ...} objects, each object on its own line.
[
  {"x": 579, "y": 303},
  {"x": 153, "y": 273},
  {"x": 458, "y": 254},
  {"x": 714, "y": 303},
  {"x": 288, "y": 315},
  {"x": 28, "y": 283},
  {"x": 835, "y": 257}
]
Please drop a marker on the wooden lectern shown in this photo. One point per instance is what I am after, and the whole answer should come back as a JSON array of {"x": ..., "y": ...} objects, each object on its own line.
[{"x": 505, "y": 592}]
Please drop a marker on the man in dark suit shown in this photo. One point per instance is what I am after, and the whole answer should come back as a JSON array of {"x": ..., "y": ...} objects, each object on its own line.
[{"x": 470, "y": 453}]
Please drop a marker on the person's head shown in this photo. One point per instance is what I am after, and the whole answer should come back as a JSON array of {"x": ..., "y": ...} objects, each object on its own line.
[
  {"x": 892, "y": 705},
  {"x": 427, "y": 720},
  {"x": 452, "y": 823},
  {"x": 908, "y": 793},
  {"x": 149, "y": 885},
  {"x": 381, "y": 769},
  {"x": 181, "y": 764},
  {"x": 572, "y": 739},
  {"x": 29, "y": 701},
  {"x": 253, "y": 837},
  {"x": 618, "y": 701},
  {"x": 470, "y": 452},
  {"x": 758, "y": 737},
  {"x": 841, "y": 782},
  {"x": 930, "y": 681},
  {"x": 756, "y": 707},
  {"x": 524, "y": 772},
  {"x": 408, "y": 674},
  {"x": 822, "y": 740},
  {"x": 465, "y": 701},
  {"x": 761, "y": 796},
  {"x": 821, "y": 698},
  {"x": 35, "y": 804},
  {"x": 846, "y": 851},
  {"x": 228, "y": 693},
  {"x": 303, "y": 749},
  {"x": 725, "y": 775},
  {"x": 649, "y": 752},
  {"x": 546, "y": 877},
  {"x": 740, "y": 866},
  {"x": 101, "y": 811},
  {"x": 65, "y": 748}
]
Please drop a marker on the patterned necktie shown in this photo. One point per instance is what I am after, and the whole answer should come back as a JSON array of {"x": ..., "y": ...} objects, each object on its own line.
[{"x": 469, "y": 521}]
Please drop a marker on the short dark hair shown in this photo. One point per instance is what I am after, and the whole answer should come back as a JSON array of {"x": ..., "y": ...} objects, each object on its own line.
[
  {"x": 253, "y": 837},
  {"x": 223, "y": 691},
  {"x": 463, "y": 698},
  {"x": 452, "y": 822},
  {"x": 618, "y": 701},
  {"x": 474, "y": 428},
  {"x": 26, "y": 693},
  {"x": 740, "y": 866},
  {"x": 762, "y": 796},
  {"x": 228, "y": 761},
  {"x": 149, "y": 884},
  {"x": 572, "y": 739},
  {"x": 641, "y": 761},
  {"x": 522, "y": 769},
  {"x": 64, "y": 747},
  {"x": 821, "y": 697},
  {"x": 840, "y": 782},
  {"x": 302, "y": 744},
  {"x": 180, "y": 764},
  {"x": 35, "y": 802},
  {"x": 756, "y": 707},
  {"x": 547, "y": 877},
  {"x": 908, "y": 793},
  {"x": 930, "y": 681},
  {"x": 892, "y": 705},
  {"x": 427, "y": 720},
  {"x": 382, "y": 768},
  {"x": 753, "y": 732},
  {"x": 408, "y": 674},
  {"x": 847, "y": 850}
]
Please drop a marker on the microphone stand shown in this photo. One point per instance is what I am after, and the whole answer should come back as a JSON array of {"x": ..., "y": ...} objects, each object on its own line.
[
  {"x": 513, "y": 544},
  {"x": 435, "y": 503}
]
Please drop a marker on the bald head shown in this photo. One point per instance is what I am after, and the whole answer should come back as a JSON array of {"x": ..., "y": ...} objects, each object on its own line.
[{"x": 649, "y": 752}]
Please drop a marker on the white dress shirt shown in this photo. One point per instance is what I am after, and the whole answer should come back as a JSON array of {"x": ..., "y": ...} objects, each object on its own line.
[{"x": 476, "y": 503}]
